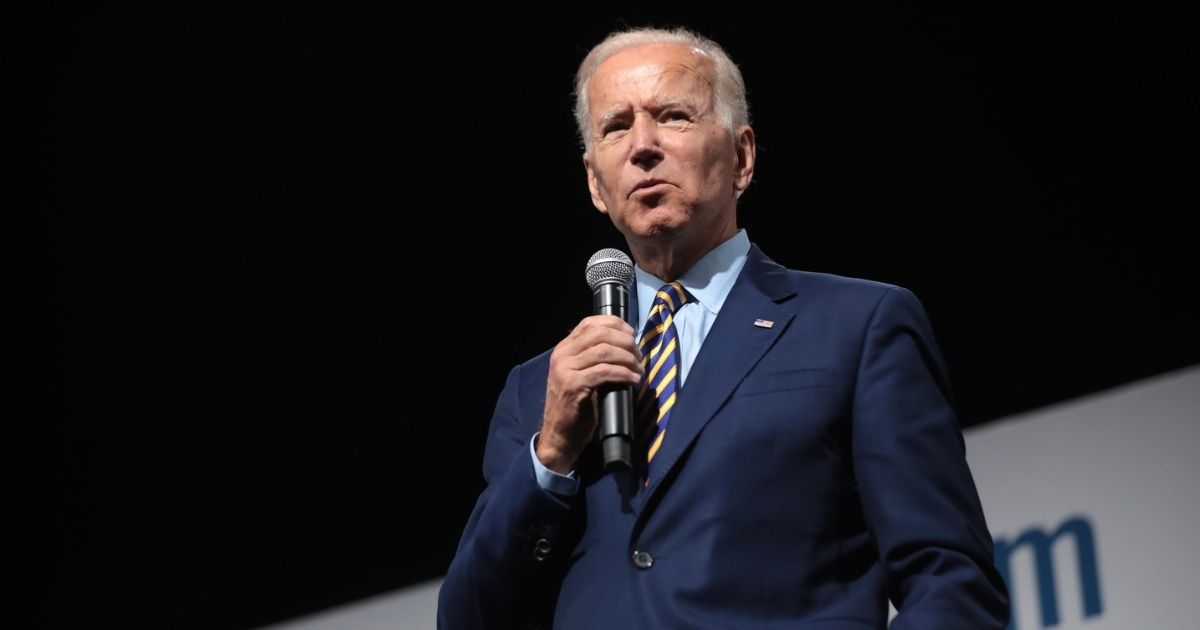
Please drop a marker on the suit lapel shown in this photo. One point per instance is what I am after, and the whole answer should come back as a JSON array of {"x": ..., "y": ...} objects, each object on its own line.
[{"x": 733, "y": 346}]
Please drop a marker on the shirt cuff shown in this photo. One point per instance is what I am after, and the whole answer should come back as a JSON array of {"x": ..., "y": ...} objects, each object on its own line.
[{"x": 565, "y": 485}]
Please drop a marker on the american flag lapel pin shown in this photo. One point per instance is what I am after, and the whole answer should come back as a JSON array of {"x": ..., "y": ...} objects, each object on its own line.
[{"x": 764, "y": 323}]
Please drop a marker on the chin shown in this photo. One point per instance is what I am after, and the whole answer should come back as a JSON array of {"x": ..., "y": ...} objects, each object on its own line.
[
  {"x": 662, "y": 218},
  {"x": 658, "y": 231}
]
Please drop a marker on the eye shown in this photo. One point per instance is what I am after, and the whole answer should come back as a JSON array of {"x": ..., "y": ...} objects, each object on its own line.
[
  {"x": 677, "y": 115},
  {"x": 613, "y": 127}
]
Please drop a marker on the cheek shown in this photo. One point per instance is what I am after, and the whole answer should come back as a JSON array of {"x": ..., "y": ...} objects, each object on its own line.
[
  {"x": 610, "y": 174},
  {"x": 713, "y": 160},
  {"x": 720, "y": 159}
]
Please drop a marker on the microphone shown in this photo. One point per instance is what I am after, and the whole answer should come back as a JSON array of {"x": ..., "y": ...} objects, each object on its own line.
[{"x": 610, "y": 274}]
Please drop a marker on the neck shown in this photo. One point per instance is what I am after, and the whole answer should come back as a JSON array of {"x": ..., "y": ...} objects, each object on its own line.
[{"x": 670, "y": 258}]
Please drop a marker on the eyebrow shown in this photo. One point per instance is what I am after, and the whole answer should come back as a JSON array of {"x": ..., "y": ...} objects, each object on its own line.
[
  {"x": 656, "y": 108},
  {"x": 609, "y": 117},
  {"x": 676, "y": 105}
]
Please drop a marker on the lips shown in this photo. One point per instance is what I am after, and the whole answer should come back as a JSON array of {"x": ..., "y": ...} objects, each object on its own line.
[{"x": 648, "y": 184}]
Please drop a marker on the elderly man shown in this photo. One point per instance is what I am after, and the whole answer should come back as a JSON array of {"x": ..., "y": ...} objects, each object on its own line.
[{"x": 799, "y": 463}]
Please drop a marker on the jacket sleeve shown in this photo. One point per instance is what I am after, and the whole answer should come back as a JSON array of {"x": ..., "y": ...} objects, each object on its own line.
[
  {"x": 506, "y": 570},
  {"x": 919, "y": 497}
]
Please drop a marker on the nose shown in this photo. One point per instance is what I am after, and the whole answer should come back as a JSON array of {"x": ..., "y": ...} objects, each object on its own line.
[{"x": 645, "y": 151}]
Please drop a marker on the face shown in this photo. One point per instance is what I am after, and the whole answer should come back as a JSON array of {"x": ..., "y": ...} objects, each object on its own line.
[{"x": 661, "y": 165}]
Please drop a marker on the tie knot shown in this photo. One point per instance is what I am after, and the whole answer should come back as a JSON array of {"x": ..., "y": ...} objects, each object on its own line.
[{"x": 672, "y": 295}]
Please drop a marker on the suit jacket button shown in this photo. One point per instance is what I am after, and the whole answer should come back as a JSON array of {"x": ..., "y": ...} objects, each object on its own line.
[
  {"x": 541, "y": 550},
  {"x": 643, "y": 559}
]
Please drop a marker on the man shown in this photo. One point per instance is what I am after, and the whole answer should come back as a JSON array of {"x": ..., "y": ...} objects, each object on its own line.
[{"x": 802, "y": 462}]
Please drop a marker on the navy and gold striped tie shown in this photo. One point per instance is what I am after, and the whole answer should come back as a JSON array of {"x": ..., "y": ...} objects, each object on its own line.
[{"x": 660, "y": 384}]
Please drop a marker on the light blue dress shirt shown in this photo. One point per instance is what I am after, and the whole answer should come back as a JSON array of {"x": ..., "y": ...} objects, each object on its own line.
[{"x": 709, "y": 282}]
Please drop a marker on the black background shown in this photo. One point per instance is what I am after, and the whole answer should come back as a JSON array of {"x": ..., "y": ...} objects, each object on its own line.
[{"x": 292, "y": 251}]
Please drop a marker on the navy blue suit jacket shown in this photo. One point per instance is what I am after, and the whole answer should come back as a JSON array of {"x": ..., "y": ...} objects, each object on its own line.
[{"x": 813, "y": 470}]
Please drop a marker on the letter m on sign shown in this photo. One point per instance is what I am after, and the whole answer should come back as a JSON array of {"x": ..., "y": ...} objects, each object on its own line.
[{"x": 1041, "y": 545}]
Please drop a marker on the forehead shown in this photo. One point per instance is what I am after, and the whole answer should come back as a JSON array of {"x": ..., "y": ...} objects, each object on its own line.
[{"x": 648, "y": 73}]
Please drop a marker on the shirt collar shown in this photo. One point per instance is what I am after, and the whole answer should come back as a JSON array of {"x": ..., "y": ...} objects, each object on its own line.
[{"x": 709, "y": 280}]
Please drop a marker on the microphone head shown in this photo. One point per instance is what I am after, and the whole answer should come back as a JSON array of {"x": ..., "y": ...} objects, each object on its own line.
[{"x": 607, "y": 266}]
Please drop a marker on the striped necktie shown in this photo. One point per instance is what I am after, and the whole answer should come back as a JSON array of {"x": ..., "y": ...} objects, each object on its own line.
[{"x": 660, "y": 384}]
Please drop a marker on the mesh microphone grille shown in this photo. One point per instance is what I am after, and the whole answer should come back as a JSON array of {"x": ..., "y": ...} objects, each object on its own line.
[{"x": 609, "y": 265}]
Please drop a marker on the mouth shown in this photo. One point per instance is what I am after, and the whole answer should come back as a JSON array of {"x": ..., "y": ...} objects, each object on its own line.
[{"x": 649, "y": 186}]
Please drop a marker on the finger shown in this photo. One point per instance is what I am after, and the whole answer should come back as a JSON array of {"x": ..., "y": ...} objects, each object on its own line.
[
  {"x": 592, "y": 377},
  {"x": 605, "y": 353},
  {"x": 588, "y": 336},
  {"x": 593, "y": 322}
]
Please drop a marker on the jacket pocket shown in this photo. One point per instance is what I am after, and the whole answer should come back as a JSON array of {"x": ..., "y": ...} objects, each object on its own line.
[{"x": 783, "y": 381}]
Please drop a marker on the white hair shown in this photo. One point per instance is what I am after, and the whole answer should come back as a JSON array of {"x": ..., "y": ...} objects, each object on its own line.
[{"x": 729, "y": 90}]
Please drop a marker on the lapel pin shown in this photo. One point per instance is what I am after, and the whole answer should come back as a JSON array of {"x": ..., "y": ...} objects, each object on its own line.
[{"x": 764, "y": 323}]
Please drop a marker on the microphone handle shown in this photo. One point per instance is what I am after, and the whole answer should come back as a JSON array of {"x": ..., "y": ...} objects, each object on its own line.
[{"x": 615, "y": 401}]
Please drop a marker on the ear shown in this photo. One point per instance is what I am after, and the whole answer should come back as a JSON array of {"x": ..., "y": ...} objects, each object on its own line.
[
  {"x": 594, "y": 185},
  {"x": 744, "y": 149}
]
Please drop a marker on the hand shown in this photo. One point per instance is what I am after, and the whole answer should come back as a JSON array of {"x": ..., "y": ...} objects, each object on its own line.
[{"x": 599, "y": 351}]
